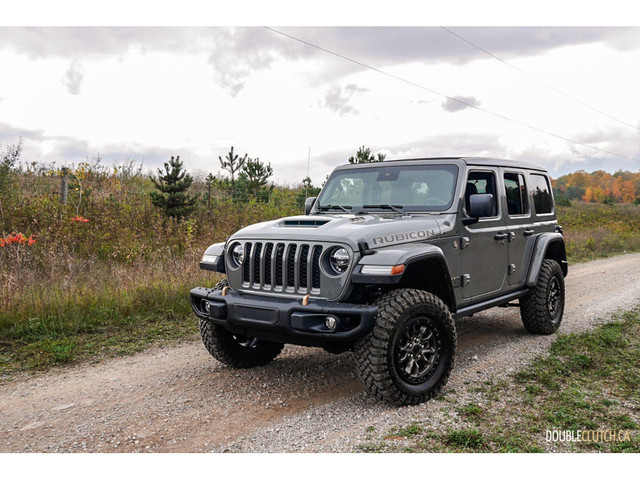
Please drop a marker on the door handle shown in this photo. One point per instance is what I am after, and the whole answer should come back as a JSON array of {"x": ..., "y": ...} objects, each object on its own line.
[
  {"x": 529, "y": 232},
  {"x": 501, "y": 236}
]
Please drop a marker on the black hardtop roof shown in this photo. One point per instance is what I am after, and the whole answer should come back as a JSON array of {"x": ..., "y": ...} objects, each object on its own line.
[{"x": 480, "y": 161}]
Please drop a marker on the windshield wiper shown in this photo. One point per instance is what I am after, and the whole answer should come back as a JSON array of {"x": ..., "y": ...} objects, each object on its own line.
[
  {"x": 395, "y": 208},
  {"x": 336, "y": 207}
]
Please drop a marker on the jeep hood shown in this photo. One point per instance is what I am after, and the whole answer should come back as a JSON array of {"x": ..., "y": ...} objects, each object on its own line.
[{"x": 379, "y": 230}]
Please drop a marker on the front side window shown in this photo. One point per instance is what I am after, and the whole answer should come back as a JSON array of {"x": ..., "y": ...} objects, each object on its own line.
[
  {"x": 542, "y": 201},
  {"x": 481, "y": 182},
  {"x": 516, "y": 192},
  {"x": 412, "y": 188}
]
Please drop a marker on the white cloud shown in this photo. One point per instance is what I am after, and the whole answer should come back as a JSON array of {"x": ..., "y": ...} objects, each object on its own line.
[
  {"x": 73, "y": 78},
  {"x": 147, "y": 94}
]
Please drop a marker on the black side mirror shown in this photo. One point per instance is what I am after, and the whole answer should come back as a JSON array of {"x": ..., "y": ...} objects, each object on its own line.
[
  {"x": 480, "y": 205},
  {"x": 308, "y": 204}
]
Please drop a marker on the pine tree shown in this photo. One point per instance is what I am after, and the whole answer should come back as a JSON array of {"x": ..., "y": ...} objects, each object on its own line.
[
  {"x": 363, "y": 155},
  {"x": 232, "y": 163},
  {"x": 255, "y": 174},
  {"x": 173, "y": 184}
]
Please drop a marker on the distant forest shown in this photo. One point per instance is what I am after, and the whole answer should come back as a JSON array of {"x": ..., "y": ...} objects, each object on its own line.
[{"x": 598, "y": 187}]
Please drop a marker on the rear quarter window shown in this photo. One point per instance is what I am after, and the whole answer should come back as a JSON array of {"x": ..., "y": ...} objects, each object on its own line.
[{"x": 542, "y": 200}]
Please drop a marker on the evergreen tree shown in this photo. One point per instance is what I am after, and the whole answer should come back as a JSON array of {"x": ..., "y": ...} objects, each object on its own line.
[
  {"x": 363, "y": 155},
  {"x": 232, "y": 163},
  {"x": 173, "y": 184},
  {"x": 255, "y": 176}
]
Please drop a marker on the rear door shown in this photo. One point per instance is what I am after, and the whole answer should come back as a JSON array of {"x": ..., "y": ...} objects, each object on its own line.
[{"x": 519, "y": 221}]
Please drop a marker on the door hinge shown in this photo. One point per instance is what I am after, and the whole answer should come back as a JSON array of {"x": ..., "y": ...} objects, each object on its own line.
[
  {"x": 465, "y": 279},
  {"x": 464, "y": 242},
  {"x": 512, "y": 269}
]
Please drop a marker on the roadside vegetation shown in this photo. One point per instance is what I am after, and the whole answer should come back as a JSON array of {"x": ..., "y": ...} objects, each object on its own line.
[
  {"x": 108, "y": 272},
  {"x": 588, "y": 382}
]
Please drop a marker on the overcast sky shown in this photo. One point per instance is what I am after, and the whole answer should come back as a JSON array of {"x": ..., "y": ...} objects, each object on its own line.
[{"x": 146, "y": 93}]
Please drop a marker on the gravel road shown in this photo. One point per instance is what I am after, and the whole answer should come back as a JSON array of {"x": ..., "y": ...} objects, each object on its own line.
[{"x": 181, "y": 400}]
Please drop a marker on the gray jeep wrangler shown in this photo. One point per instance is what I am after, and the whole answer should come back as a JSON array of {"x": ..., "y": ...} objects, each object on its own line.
[{"x": 383, "y": 261}]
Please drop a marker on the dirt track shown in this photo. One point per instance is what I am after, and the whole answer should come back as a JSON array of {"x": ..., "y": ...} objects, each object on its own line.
[{"x": 181, "y": 400}]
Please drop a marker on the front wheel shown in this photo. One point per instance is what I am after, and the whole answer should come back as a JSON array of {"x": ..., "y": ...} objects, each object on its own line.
[
  {"x": 237, "y": 351},
  {"x": 408, "y": 356}
]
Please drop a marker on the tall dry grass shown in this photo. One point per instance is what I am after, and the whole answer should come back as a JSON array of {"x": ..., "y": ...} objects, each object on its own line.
[{"x": 113, "y": 284}]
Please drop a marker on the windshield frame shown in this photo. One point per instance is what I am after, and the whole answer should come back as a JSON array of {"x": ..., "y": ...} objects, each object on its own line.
[{"x": 453, "y": 167}]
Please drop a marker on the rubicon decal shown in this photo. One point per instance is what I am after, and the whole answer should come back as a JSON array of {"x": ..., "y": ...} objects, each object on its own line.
[{"x": 402, "y": 237}]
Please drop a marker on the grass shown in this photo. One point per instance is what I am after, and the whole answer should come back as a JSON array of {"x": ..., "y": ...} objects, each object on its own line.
[
  {"x": 596, "y": 230},
  {"x": 107, "y": 321},
  {"x": 119, "y": 283},
  {"x": 588, "y": 382},
  {"x": 116, "y": 284}
]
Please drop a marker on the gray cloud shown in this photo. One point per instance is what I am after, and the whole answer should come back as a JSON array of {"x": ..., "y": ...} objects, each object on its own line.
[
  {"x": 65, "y": 150},
  {"x": 459, "y": 102},
  {"x": 235, "y": 53},
  {"x": 73, "y": 78},
  {"x": 337, "y": 98}
]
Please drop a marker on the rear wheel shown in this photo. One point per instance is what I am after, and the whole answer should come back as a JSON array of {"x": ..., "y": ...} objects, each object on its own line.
[
  {"x": 541, "y": 310},
  {"x": 237, "y": 351},
  {"x": 409, "y": 355}
]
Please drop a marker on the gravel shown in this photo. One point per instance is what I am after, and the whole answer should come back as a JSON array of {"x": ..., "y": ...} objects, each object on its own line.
[{"x": 181, "y": 400}]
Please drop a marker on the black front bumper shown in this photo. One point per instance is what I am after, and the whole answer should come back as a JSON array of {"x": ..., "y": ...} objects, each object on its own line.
[{"x": 284, "y": 320}]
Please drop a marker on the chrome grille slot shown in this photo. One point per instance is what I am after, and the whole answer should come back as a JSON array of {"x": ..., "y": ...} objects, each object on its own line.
[
  {"x": 246, "y": 264},
  {"x": 315, "y": 267},
  {"x": 268, "y": 264},
  {"x": 291, "y": 266},
  {"x": 256, "y": 264},
  {"x": 279, "y": 259},
  {"x": 288, "y": 267},
  {"x": 303, "y": 262}
]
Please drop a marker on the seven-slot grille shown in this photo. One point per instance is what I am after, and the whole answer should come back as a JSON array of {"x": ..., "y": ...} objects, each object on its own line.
[{"x": 282, "y": 266}]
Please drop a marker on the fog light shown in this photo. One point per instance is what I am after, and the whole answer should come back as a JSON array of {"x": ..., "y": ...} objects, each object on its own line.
[
  {"x": 331, "y": 322},
  {"x": 206, "y": 306}
]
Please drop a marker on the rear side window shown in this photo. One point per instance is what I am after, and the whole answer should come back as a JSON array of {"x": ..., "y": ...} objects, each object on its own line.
[
  {"x": 516, "y": 194},
  {"x": 541, "y": 194}
]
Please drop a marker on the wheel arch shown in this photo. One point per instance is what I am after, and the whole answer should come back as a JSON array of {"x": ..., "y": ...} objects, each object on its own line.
[
  {"x": 548, "y": 246},
  {"x": 430, "y": 273}
]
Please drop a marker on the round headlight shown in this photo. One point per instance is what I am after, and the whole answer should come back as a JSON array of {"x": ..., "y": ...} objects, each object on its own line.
[
  {"x": 340, "y": 260},
  {"x": 237, "y": 254}
]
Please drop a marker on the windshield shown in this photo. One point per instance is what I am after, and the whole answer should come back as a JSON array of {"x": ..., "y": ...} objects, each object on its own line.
[{"x": 391, "y": 188}]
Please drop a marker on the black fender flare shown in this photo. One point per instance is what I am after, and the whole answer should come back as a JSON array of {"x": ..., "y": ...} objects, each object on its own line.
[
  {"x": 408, "y": 257},
  {"x": 545, "y": 244}
]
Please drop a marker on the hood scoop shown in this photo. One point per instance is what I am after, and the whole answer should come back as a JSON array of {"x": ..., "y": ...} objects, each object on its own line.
[{"x": 304, "y": 223}]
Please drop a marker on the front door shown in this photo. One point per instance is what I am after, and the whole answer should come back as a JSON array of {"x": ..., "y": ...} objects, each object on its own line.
[{"x": 484, "y": 245}]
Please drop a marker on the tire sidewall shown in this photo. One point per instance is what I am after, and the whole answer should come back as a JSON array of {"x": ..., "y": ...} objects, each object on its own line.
[
  {"x": 440, "y": 320},
  {"x": 556, "y": 274}
]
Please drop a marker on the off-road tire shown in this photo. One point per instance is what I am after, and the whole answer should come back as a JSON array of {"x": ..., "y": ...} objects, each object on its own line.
[
  {"x": 542, "y": 308},
  {"x": 379, "y": 355},
  {"x": 235, "y": 350}
]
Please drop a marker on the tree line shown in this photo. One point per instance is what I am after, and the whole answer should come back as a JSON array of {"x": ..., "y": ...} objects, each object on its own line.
[
  {"x": 248, "y": 178},
  {"x": 598, "y": 187}
]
